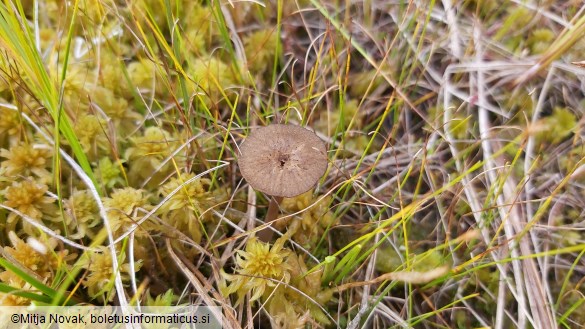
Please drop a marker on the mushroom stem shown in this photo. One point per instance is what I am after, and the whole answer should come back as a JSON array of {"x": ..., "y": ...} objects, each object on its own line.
[{"x": 265, "y": 235}]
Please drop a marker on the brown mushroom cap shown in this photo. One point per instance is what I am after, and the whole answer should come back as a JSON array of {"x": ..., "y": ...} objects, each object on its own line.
[{"x": 282, "y": 160}]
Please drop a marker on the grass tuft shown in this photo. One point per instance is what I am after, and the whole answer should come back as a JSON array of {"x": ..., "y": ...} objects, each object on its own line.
[{"x": 453, "y": 196}]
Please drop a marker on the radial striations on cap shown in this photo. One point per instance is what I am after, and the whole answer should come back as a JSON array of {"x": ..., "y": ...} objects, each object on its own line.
[{"x": 282, "y": 160}]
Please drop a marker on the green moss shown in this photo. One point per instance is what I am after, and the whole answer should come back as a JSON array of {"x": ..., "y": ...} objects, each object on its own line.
[
  {"x": 157, "y": 96},
  {"x": 540, "y": 40},
  {"x": 260, "y": 47},
  {"x": 388, "y": 260},
  {"x": 212, "y": 79},
  {"x": 109, "y": 173},
  {"x": 517, "y": 18},
  {"x": 557, "y": 127},
  {"x": 360, "y": 81}
]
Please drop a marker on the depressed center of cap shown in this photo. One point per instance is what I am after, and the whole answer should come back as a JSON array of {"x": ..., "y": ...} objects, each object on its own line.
[{"x": 282, "y": 160}]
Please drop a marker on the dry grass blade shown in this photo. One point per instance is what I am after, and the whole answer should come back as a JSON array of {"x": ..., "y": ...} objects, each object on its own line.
[
  {"x": 203, "y": 289},
  {"x": 450, "y": 188},
  {"x": 412, "y": 277},
  {"x": 567, "y": 38}
]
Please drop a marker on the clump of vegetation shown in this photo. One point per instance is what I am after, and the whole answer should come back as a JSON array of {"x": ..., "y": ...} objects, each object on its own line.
[
  {"x": 101, "y": 273},
  {"x": 314, "y": 219},
  {"x": 419, "y": 166}
]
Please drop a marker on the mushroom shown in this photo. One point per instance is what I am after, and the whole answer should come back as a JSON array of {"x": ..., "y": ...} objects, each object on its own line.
[{"x": 281, "y": 161}]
